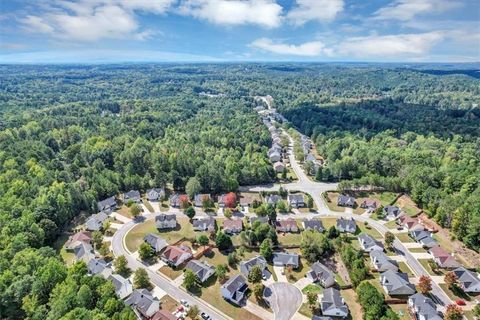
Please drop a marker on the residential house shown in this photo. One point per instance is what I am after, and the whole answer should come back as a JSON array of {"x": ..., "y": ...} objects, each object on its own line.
[
  {"x": 132, "y": 195},
  {"x": 381, "y": 262},
  {"x": 83, "y": 252},
  {"x": 174, "y": 200},
  {"x": 313, "y": 224},
  {"x": 332, "y": 304},
  {"x": 392, "y": 212},
  {"x": 321, "y": 274},
  {"x": 410, "y": 223},
  {"x": 285, "y": 259},
  {"x": 369, "y": 244},
  {"x": 142, "y": 301},
  {"x": 261, "y": 219},
  {"x": 156, "y": 242},
  {"x": 423, "y": 308},
  {"x": 95, "y": 222},
  {"x": 201, "y": 269},
  {"x": 235, "y": 289},
  {"x": 176, "y": 255},
  {"x": 246, "y": 266},
  {"x": 396, "y": 283},
  {"x": 245, "y": 202},
  {"x": 424, "y": 237},
  {"x": 275, "y": 156},
  {"x": 273, "y": 199},
  {"x": 346, "y": 201},
  {"x": 74, "y": 240},
  {"x": 286, "y": 225},
  {"x": 204, "y": 224},
  {"x": 346, "y": 225},
  {"x": 100, "y": 267},
  {"x": 296, "y": 200},
  {"x": 369, "y": 204},
  {"x": 442, "y": 258},
  {"x": 232, "y": 226},
  {"x": 198, "y": 199},
  {"x": 107, "y": 205},
  {"x": 278, "y": 166},
  {"x": 155, "y": 194},
  {"x": 123, "y": 287},
  {"x": 469, "y": 281},
  {"x": 166, "y": 221},
  {"x": 163, "y": 315}
]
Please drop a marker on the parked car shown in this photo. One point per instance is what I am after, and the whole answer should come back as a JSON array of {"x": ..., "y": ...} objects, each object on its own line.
[
  {"x": 205, "y": 316},
  {"x": 460, "y": 302}
]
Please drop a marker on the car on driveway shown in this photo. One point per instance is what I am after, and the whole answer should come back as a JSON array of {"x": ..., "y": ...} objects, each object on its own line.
[{"x": 205, "y": 316}]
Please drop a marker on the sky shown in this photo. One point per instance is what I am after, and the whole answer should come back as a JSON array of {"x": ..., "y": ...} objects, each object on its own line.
[{"x": 103, "y": 31}]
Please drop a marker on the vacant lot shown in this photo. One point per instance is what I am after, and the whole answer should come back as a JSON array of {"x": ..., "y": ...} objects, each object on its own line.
[{"x": 408, "y": 206}]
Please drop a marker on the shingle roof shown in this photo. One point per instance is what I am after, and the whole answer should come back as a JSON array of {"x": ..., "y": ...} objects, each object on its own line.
[
  {"x": 469, "y": 279},
  {"x": 155, "y": 241},
  {"x": 314, "y": 224},
  {"x": 424, "y": 306},
  {"x": 397, "y": 283},
  {"x": 132, "y": 194},
  {"x": 201, "y": 269},
  {"x": 382, "y": 261},
  {"x": 142, "y": 300},
  {"x": 106, "y": 203},
  {"x": 246, "y": 266},
  {"x": 345, "y": 200},
  {"x": 367, "y": 242},
  {"x": 346, "y": 225},
  {"x": 286, "y": 259},
  {"x": 332, "y": 300},
  {"x": 203, "y": 223}
]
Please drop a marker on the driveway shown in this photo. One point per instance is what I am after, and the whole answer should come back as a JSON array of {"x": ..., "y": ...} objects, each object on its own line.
[
  {"x": 278, "y": 271},
  {"x": 284, "y": 299}
]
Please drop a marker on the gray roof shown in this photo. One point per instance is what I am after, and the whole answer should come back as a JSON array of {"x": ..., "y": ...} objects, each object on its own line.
[
  {"x": 155, "y": 193},
  {"x": 273, "y": 199},
  {"x": 142, "y": 300},
  {"x": 84, "y": 251},
  {"x": 346, "y": 225},
  {"x": 286, "y": 259},
  {"x": 392, "y": 210},
  {"x": 203, "y": 223},
  {"x": 345, "y": 200},
  {"x": 320, "y": 272},
  {"x": 397, "y": 283},
  {"x": 119, "y": 282},
  {"x": 97, "y": 266},
  {"x": 201, "y": 269},
  {"x": 198, "y": 198},
  {"x": 424, "y": 306},
  {"x": 166, "y": 220},
  {"x": 313, "y": 224},
  {"x": 237, "y": 287},
  {"x": 382, "y": 262},
  {"x": 469, "y": 280},
  {"x": 132, "y": 195},
  {"x": 155, "y": 241},
  {"x": 332, "y": 303},
  {"x": 107, "y": 203},
  {"x": 367, "y": 242},
  {"x": 246, "y": 266},
  {"x": 296, "y": 198}
]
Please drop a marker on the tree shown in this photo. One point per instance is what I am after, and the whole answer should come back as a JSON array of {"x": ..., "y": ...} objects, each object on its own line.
[
  {"x": 190, "y": 280},
  {"x": 433, "y": 265},
  {"x": 232, "y": 258},
  {"x": 121, "y": 266},
  {"x": 184, "y": 202},
  {"x": 141, "y": 279},
  {"x": 203, "y": 240},
  {"x": 221, "y": 272},
  {"x": 309, "y": 201},
  {"x": 266, "y": 249},
  {"x": 258, "y": 290},
  {"x": 85, "y": 297},
  {"x": 476, "y": 311},
  {"x": 314, "y": 245},
  {"x": 333, "y": 232},
  {"x": 389, "y": 239},
  {"x": 282, "y": 206},
  {"x": 312, "y": 299},
  {"x": 223, "y": 241},
  {"x": 371, "y": 300},
  {"x": 193, "y": 312},
  {"x": 190, "y": 212},
  {"x": 145, "y": 251},
  {"x": 104, "y": 249},
  {"x": 135, "y": 210},
  {"x": 230, "y": 200},
  {"x": 97, "y": 239},
  {"x": 255, "y": 274},
  {"x": 453, "y": 312},
  {"x": 227, "y": 213},
  {"x": 424, "y": 284},
  {"x": 451, "y": 280},
  {"x": 193, "y": 187}
]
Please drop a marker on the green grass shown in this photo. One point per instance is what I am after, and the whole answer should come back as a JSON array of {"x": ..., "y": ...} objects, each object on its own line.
[
  {"x": 298, "y": 273},
  {"x": 315, "y": 288},
  {"x": 59, "y": 246},
  {"x": 339, "y": 280},
  {"x": 391, "y": 225},
  {"x": 361, "y": 227},
  {"x": 456, "y": 294},
  {"x": 290, "y": 239},
  {"x": 417, "y": 250},
  {"x": 305, "y": 310},
  {"x": 401, "y": 310},
  {"x": 404, "y": 268},
  {"x": 424, "y": 263},
  {"x": 171, "y": 273},
  {"x": 404, "y": 237},
  {"x": 147, "y": 204}
]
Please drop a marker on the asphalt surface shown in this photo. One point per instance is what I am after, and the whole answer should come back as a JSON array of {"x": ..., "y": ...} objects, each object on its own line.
[{"x": 284, "y": 299}]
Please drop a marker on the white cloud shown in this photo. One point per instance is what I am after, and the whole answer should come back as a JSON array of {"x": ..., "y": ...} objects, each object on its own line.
[
  {"x": 405, "y": 10},
  {"x": 308, "y": 49},
  {"x": 389, "y": 46},
  {"x": 266, "y": 13},
  {"x": 320, "y": 10}
]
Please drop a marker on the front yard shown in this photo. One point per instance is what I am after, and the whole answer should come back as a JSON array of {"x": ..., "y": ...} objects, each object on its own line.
[{"x": 404, "y": 237}]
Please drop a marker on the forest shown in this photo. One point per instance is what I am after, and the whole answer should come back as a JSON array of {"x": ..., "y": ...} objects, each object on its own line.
[{"x": 71, "y": 135}]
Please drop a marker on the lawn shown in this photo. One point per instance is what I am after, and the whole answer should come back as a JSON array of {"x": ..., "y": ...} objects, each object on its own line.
[
  {"x": 124, "y": 211},
  {"x": 147, "y": 204},
  {"x": 407, "y": 205},
  {"x": 401, "y": 310},
  {"x": 417, "y": 250},
  {"x": 169, "y": 272},
  {"x": 168, "y": 303},
  {"x": 404, "y": 237},
  {"x": 456, "y": 294},
  {"x": 405, "y": 269},
  {"x": 305, "y": 310},
  {"x": 329, "y": 222},
  {"x": 332, "y": 198},
  {"x": 300, "y": 272},
  {"x": 368, "y": 230},
  {"x": 59, "y": 246},
  {"x": 391, "y": 224},
  {"x": 424, "y": 263},
  {"x": 315, "y": 288},
  {"x": 289, "y": 239}
]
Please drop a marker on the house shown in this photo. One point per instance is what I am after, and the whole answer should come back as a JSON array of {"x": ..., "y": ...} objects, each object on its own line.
[
  {"x": 285, "y": 259},
  {"x": 392, "y": 212},
  {"x": 198, "y": 199},
  {"x": 123, "y": 287},
  {"x": 83, "y": 252},
  {"x": 100, "y": 267},
  {"x": 222, "y": 200},
  {"x": 423, "y": 308},
  {"x": 204, "y": 224},
  {"x": 381, "y": 262},
  {"x": 346, "y": 225},
  {"x": 273, "y": 199},
  {"x": 143, "y": 302},
  {"x": 321, "y": 274},
  {"x": 246, "y": 266},
  {"x": 163, "y": 315},
  {"x": 232, "y": 226},
  {"x": 296, "y": 200},
  {"x": 155, "y": 194},
  {"x": 166, "y": 221},
  {"x": 369, "y": 204},
  {"x": 261, "y": 219},
  {"x": 396, "y": 283},
  {"x": 410, "y": 223},
  {"x": 235, "y": 289},
  {"x": 74, "y": 240},
  {"x": 469, "y": 281},
  {"x": 442, "y": 258},
  {"x": 156, "y": 242},
  {"x": 176, "y": 255},
  {"x": 369, "y": 244},
  {"x": 287, "y": 225},
  {"x": 424, "y": 237},
  {"x": 332, "y": 304},
  {"x": 132, "y": 195},
  {"x": 313, "y": 224},
  {"x": 278, "y": 166},
  {"x": 95, "y": 222},
  {"x": 245, "y": 202},
  {"x": 275, "y": 156},
  {"x": 107, "y": 205},
  {"x": 175, "y": 200},
  {"x": 201, "y": 269},
  {"x": 345, "y": 201}
]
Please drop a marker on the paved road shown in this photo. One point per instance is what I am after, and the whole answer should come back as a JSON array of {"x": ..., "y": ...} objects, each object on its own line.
[{"x": 284, "y": 299}]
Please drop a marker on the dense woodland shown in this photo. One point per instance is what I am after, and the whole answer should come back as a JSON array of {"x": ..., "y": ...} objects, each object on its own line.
[{"x": 70, "y": 135}]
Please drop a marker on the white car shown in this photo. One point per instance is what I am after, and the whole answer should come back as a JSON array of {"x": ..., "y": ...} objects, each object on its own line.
[{"x": 184, "y": 303}]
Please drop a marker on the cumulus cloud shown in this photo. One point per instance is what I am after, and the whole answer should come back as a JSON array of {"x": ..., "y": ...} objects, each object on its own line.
[
  {"x": 320, "y": 10},
  {"x": 308, "y": 49},
  {"x": 405, "y": 10},
  {"x": 389, "y": 46},
  {"x": 266, "y": 13}
]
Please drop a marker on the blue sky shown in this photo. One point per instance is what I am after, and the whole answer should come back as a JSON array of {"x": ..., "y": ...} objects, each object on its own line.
[{"x": 33, "y": 31}]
